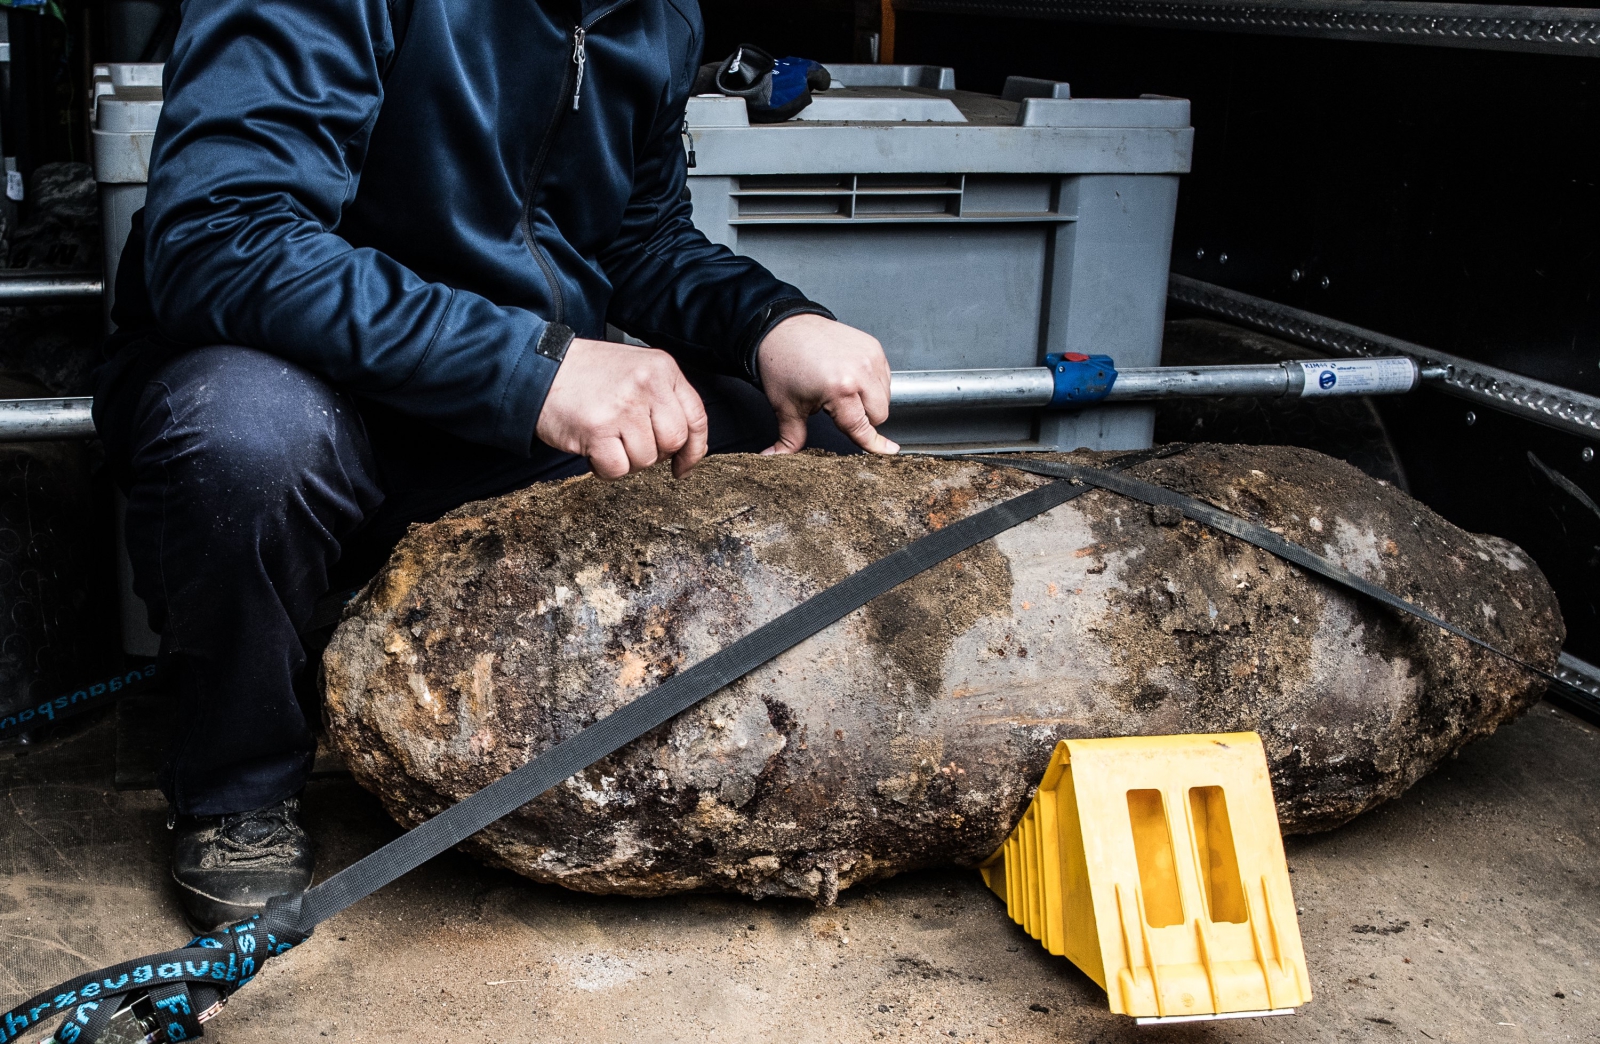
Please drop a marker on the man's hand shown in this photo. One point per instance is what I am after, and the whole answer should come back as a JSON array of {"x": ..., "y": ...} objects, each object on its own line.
[
  {"x": 810, "y": 363},
  {"x": 624, "y": 408}
]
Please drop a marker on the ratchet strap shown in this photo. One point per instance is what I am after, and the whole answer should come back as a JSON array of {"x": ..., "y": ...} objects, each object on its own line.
[
  {"x": 184, "y": 987},
  {"x": 211, "y": 967},
  {"x": 26, "y": 715}
]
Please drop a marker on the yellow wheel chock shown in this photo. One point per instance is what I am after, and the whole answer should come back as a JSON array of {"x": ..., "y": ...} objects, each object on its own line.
[{"x": 1155, "y": 865}]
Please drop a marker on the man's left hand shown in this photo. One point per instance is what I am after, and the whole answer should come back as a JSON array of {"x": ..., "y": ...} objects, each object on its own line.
[{"x": 810, "y": 363}]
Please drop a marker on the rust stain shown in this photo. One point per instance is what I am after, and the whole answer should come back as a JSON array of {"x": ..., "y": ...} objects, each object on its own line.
[{"x": 633, "y": 670}]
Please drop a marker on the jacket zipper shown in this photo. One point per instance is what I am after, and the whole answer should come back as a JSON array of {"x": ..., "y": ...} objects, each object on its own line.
[
  {"x": 573, "y": 81},
  {"x": 580, "y": 58}
]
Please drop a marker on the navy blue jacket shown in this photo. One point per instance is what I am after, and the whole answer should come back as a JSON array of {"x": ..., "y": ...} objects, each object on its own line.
[{"x": 423, "y": 200}]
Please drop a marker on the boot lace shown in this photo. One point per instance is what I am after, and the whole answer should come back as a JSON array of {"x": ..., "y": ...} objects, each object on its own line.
[{"x": 263, "y": 835}]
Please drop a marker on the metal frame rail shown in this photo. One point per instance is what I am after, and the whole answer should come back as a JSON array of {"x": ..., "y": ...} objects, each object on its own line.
[
  {"x": 31, "y": 286},
  {"x": 1579, "y": 691},
  {"x": 1548, "y": 404},
  {"x": 1492, "y": 27}
]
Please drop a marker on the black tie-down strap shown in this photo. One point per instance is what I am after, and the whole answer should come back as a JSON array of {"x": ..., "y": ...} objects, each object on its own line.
[
  {"x": 1251, "y": 533},
  {"x": 217, "y": 962},
  {"x": 178, "y": 989},
  {"x": 32, "y": 714}
]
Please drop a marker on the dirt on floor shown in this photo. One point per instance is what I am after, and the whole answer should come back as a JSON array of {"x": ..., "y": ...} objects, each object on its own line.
[{"x": 1468, "y": 910}]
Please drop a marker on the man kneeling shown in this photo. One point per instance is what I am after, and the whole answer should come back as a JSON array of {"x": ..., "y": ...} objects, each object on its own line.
[{"x": 382, "y": 239}]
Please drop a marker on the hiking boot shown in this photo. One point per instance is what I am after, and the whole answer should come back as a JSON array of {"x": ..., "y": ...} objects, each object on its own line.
[{"x": 227, "y": 867}]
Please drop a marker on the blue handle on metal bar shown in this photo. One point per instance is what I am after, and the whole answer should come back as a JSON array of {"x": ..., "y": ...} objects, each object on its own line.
[{"x": 1080, "y": 379}]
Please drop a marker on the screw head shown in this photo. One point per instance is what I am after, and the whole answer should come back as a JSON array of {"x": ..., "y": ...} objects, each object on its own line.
[
  {"x": 1587, "y": 454},
  {"x": 1295, "y": 275},
  {"x": 1472, "y": 418},
  {"x": 1222, "y": 259},
  {"x": 1200, "y": 255},
  {"x": 1326, "y": 282}
]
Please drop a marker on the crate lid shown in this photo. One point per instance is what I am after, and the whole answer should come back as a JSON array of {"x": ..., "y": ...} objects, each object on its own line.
[{"x": 125, "y": 107}]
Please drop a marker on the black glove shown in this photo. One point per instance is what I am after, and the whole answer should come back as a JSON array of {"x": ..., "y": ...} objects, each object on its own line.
[{"x": 773, "y": 89}]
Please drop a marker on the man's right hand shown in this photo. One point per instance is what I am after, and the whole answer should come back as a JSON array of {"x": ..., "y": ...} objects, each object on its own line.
[{"x": 624, "y": 408}]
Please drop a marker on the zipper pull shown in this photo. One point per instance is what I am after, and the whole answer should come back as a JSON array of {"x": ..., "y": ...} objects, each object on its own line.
[{"x": 580, "y": 58}]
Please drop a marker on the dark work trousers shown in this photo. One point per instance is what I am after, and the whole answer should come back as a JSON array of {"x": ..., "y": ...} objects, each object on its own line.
[{"x": 254, "y": 488}]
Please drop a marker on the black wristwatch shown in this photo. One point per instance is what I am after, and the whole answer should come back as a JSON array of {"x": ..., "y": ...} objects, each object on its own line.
[{"x": 554, "y": 342}]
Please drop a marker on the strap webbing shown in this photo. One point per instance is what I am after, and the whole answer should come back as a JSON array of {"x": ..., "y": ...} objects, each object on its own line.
[
  {"x": 176, "y": 1012},
  {"x": 32, "y": 714},
  {"x": 214, "y": 965},
  {"x": 1252, "y": 533},
  {"x": 676, "y": 694}
]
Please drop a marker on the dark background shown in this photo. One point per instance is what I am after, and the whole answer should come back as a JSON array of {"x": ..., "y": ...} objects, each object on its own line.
[{"x": 1448, "y": 197}]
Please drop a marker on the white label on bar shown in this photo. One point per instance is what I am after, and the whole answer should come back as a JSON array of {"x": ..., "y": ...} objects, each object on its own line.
[
  {"x": 14, "y": 184},
  {"x": 1358, "y": 377}
]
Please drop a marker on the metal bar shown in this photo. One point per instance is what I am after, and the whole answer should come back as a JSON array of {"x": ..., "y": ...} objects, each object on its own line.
[
  {"x": 1033, "y": 386},
  {"x": 26, "y": 286},
  {"x": 1181, "y": 382},
  {"x": 953, "y": 389},
  {"x": 1493, "y": 27},
  {"x": 34, "y": 420},
  {"x": 1548, "y": 404},
  {"x": 39, "y": 420}
]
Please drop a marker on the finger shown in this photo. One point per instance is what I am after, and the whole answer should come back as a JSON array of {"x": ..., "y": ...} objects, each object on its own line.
[
  {"x": 875, "y": 398},
  {"x": 851, "y": 417},
  {"x": 639, "y": 442},
  {"x": 669, "y": 426},
  {"x": 694, "y": 412},
  {"x": 791, "y": 434},
  {"x": 608, "y": 459}
]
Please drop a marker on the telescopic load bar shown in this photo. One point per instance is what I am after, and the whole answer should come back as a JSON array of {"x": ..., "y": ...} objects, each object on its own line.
[
  {"x": 1035, "y": 386},
  {"x": 1082, "y": 383}
]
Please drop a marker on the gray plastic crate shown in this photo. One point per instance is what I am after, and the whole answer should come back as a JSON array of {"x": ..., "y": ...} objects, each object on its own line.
[{"x": 963, "y": 230}]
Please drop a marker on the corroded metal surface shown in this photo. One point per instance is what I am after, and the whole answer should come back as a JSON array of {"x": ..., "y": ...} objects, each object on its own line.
[{"x": 912, "y": 732}]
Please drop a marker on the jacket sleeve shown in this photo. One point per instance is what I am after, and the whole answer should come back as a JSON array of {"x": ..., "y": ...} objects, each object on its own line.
[
  {"x": 675, "y": 289},
  {"x": 269, "y": 105}
]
